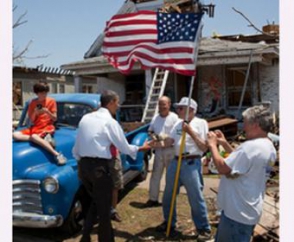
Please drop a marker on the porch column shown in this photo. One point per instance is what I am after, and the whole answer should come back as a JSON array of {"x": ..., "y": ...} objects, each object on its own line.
[
  {"x": 148, "y": 82},
  {"x": 78, "y": 83}
]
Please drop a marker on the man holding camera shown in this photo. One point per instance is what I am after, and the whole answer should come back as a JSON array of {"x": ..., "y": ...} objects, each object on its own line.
[{"x": 42, "y": 114}]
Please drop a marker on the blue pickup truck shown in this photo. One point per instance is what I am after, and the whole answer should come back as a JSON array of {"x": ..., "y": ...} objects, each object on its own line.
[{"x": 48, "y": 195}]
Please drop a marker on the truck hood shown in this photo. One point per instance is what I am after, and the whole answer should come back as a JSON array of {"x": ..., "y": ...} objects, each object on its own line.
[{"x": 29, "y": 158}]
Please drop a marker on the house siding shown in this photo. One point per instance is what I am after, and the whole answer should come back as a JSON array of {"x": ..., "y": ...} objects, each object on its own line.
[
  {"x": 205, "y": 85},
  {"x": 270, "y": 84},
  {"x": 114, "y": 82}
]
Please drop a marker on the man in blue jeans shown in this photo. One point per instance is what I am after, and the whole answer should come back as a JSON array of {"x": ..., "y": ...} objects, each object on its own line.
[{"x": 191, "y": 169}]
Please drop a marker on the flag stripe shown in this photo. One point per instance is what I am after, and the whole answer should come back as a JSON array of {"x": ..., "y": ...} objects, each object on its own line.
[
  {"x": 124, "y": 43},
  {"x": 125, "y": 51},
  {"x": 153, "y": 39},
  {"x": 151, "y": 58},
  {"x": 134, "y": 32},
  {"x": 130, "y": 22}
]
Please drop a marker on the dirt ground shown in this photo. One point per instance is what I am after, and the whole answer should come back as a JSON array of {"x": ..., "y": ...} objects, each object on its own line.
[{"x": 139, "y": 223}]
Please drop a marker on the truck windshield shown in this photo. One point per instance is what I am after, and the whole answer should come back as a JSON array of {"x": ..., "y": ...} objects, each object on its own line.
[{"x": 68, "y": 114}]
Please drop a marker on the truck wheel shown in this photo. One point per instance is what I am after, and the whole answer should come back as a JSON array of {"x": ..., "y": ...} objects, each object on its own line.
[
  {"x": 74, "y": 222},
  {"x": 143, "y": 175}
]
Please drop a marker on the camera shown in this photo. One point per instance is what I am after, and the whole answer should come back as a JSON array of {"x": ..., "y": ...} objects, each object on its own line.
[{"x": 39, "y": 106}]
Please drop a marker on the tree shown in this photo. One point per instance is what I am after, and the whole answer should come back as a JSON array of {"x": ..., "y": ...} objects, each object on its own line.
[{"x": 19, "y": 56}]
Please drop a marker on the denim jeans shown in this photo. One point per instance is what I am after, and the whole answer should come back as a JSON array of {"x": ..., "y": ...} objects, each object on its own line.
[
  {"x": 191, "y": 178},
  {"x": 233, "y": 231}
]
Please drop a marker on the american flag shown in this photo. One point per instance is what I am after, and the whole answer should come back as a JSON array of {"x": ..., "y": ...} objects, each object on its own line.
[{"x": 164, "y": 40}]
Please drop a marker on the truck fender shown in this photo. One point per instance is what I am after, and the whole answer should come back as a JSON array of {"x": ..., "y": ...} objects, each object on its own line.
[{"x": 69, "y": 185}]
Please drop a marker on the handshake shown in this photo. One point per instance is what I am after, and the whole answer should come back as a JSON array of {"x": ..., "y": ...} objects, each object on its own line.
[
  {"x": 157, "y": 137},
  {"x": 158, "y": 140}
]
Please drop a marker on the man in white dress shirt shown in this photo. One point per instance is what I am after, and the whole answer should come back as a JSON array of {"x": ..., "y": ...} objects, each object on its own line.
[{"x": 97, "y": 131}]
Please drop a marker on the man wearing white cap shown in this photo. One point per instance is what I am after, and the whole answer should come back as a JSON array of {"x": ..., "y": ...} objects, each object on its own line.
[{"x": 191, "y": 169}]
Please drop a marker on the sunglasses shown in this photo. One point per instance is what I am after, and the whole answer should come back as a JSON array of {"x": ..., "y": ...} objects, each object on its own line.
[{"x": 180, "y": 108}]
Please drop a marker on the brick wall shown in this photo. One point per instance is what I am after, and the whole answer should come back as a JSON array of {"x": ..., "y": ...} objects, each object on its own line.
[{"x": 269, "y": 77}]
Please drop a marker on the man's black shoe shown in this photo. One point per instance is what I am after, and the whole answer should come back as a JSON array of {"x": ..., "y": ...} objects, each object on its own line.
[
  {"x": 115, "y": 217},
  {"x": 150, "y": 204},
  {"x": 204, "y": 235}
]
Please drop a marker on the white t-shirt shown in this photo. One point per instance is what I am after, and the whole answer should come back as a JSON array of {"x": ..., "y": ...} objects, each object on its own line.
[
  {"x": 162, "y": 126},
  {"x": 199, "y": 126},
  {"x": 240, "y": 195},
  {"x": 97, "y": 131}
]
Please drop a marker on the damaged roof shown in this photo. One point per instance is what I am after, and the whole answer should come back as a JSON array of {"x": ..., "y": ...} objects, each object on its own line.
[{"x": 211, "y": 52}]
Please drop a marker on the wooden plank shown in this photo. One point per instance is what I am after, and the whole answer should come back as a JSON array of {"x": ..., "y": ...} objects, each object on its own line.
[
  {"x": 227, "y": 125},
  {"x": 221, "y": 122}
]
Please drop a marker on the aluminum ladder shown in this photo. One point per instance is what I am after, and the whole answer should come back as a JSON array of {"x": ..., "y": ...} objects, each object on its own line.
[{"x": 156, "y": 90}]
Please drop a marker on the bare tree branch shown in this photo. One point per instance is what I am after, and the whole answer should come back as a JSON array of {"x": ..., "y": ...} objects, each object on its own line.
[
  {"x": 251, "y": 24},
  {"x": 20, "y": 56},
  {"x": 20, "y": 20},
  {"x": 21, "y": 53},
  {"x": 36, "y": 57}
]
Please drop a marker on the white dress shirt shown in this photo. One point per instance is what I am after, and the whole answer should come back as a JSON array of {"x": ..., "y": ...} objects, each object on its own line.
[{"x": 97, "y": 131}]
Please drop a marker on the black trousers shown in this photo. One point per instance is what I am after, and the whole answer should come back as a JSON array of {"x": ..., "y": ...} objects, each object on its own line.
[{"x": 95, "y": 176}]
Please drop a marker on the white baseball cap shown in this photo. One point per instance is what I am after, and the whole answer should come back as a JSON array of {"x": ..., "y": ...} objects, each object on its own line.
[{"x": 184, "y": 102}]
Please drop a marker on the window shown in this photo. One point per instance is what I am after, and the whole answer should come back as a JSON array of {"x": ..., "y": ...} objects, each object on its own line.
[
  {"x": 57, "y": 88},
  {"x": 61, "y": 88},
  {"x": 235, "y": 84},
  {"x": 87, "y": 88}
]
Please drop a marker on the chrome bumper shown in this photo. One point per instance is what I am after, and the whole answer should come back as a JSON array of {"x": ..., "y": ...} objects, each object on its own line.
[{"x": 32, "y": 220}]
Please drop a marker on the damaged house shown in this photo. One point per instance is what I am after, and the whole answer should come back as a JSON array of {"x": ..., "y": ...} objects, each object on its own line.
[{"x": 233, "y": 73}]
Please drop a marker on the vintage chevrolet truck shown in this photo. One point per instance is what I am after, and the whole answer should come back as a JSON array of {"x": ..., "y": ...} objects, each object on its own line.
[{"x": 49, "y": 195}]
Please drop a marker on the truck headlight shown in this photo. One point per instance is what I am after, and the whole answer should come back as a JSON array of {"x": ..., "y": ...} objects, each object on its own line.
[{"x": 51, "y": 185}]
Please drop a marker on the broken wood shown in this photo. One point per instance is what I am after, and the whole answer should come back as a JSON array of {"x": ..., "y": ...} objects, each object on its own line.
[{"x": 227, "y": 125}]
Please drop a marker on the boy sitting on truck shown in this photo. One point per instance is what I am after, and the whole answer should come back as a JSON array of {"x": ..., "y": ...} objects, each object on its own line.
[{"x": 42, "y": 114}]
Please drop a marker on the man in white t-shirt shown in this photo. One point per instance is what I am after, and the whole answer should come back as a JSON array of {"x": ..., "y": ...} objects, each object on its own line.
[
  {"x": 160, "y": 128},
  {"x": 245, "y": 171}
]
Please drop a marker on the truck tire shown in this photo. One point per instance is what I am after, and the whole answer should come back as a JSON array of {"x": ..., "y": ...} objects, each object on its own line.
[{"x": 74, "y": 222}]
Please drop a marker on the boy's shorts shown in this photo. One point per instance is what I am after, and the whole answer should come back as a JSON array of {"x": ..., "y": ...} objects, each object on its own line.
[{"x": 115, "y": 169}]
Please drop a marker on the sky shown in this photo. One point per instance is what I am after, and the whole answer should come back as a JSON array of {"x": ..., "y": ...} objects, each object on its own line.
[{"x": 64, "y": 30}]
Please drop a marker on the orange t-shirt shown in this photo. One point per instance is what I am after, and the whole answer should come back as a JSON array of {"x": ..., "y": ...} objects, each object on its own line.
[{"x": 43, "y": 123}]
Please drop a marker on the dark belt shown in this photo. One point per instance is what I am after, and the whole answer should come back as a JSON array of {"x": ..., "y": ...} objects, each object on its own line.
[
  {"x": 189, "y": 157},
  {"x": 86, "y": 158}
]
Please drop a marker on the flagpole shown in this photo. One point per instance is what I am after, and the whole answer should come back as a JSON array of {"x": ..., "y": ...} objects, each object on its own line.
[{"x": 182, "y": 147}]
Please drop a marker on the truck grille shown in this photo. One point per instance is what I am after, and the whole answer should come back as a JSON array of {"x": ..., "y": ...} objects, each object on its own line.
[{"x": 27, "y": 197}]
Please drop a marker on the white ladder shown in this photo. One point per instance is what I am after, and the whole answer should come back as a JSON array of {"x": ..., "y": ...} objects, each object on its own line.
[{"x": 156, "y": 91}]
